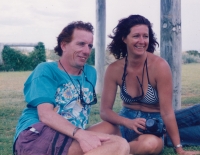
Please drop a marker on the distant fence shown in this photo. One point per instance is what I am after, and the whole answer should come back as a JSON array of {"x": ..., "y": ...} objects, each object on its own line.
[{"x": 14, "y": 45}]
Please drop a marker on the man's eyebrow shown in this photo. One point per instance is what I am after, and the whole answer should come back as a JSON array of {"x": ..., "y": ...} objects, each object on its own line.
[{"x": 80, "y": 42}]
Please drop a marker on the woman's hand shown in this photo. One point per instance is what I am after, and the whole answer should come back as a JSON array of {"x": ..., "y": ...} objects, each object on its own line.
[
  {"x": 135, "y": 124},
  {"x": 180, "y": 151}
]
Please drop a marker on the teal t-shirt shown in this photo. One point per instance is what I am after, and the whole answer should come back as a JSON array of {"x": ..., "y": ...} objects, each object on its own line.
[{"x": 48, "y": 84}]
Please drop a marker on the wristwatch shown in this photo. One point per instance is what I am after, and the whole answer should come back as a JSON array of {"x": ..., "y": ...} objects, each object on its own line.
[{"x": 177, "y": 146}]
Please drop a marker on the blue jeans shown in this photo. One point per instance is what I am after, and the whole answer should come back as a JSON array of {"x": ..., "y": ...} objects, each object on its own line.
[
  {"x": 188, "y": 120},
  {"x": 129, "y": 134}
]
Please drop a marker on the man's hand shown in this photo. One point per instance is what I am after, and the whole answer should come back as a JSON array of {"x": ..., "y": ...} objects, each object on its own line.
[{"x": 89, "y": 140}]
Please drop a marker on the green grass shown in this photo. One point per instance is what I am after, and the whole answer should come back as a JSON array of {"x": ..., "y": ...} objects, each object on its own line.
[
  {"x": 12, "y": 103},
  {"x": 190, "y": 84}
]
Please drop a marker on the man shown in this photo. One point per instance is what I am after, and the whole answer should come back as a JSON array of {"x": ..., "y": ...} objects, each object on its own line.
[
  {"x": 59, "y": 96},
  {"x": 188, "y": 121}
]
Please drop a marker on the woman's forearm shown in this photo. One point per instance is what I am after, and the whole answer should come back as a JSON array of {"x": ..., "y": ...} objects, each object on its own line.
[
  {"x": 172, "y": 128},
  {"x": 110, "y": 116}
]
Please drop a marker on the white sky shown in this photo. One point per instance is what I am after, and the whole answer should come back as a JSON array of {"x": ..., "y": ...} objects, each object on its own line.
[{"x": 28, "y": 21}]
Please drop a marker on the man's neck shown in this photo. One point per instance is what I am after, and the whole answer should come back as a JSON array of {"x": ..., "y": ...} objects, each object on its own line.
[{"x": 69, "y": 69}]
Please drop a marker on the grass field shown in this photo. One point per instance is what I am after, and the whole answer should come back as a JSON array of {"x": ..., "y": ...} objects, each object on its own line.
[{"x": 12, "y": 102}]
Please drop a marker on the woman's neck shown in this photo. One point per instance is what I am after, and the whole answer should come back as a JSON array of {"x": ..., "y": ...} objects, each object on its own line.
[{"x": 136, "y": 61}]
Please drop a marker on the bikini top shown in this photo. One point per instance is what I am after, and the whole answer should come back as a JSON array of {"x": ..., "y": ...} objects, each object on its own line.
[{"x": 151, "y": 96}]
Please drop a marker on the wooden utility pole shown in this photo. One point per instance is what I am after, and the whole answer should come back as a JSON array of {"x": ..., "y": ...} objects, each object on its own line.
[
  {"x": 170, "y": 44},
  {"x": 100, "y": 43}
]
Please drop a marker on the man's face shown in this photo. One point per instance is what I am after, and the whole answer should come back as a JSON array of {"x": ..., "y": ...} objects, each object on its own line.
[{"x": 78, "y": 50}]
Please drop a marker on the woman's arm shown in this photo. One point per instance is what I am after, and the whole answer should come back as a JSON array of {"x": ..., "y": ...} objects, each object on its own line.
[
  {"x": 108, "y": 99},
  {"x": 165, "y": 90}
]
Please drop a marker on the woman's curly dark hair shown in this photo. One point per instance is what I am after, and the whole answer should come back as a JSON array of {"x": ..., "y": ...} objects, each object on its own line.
[
  {"x": 67, "y": 32},
  {"x": 117, "y": 47}
]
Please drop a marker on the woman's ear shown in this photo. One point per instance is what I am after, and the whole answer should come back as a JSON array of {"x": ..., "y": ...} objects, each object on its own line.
[{"x": 124, "y": 40}]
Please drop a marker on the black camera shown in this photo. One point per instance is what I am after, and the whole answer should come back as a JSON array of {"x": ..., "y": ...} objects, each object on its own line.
[{"x": 154, "y": 126}]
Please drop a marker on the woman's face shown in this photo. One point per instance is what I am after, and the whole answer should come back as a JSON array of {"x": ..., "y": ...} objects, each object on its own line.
[{"x": 137, "y": 41}]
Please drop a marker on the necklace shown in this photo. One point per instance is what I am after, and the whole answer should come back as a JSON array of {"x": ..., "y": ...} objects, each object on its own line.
[{"x": 78, "y": 99}]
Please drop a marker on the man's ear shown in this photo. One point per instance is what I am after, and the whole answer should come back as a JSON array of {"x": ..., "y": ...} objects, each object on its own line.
[{"x": 62, "y": 45}]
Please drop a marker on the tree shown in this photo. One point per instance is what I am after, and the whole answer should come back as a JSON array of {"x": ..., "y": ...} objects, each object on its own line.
[{"x": 38, "y": 55}]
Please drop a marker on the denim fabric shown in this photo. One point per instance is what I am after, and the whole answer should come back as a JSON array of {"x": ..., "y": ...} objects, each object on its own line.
[
  {"x": 129, "y": 134},
  {"x": 188, "y": 120}
]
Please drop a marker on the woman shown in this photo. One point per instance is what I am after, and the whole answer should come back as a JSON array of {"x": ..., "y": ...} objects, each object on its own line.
[{"x": 145, "y": 82}]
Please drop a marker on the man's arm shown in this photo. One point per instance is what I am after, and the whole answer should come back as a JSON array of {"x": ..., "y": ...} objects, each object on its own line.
[{"x": 88, "y": 140}]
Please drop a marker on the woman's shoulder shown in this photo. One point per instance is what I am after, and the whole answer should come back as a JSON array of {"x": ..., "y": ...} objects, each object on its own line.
[
  {"x": 156, "y": 61},
  {"x": 117, "y": 65},
  {"x": 114, "y": 71},
  {"x": 158, "y": 67}
]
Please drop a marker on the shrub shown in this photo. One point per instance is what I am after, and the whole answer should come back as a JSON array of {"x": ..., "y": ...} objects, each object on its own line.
[
  {"x": 14, "y": 60},
  {"x": 91, "y": 59},
  {"x": 190, "y": 58},
  {"x": 193, "y": 52}
]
